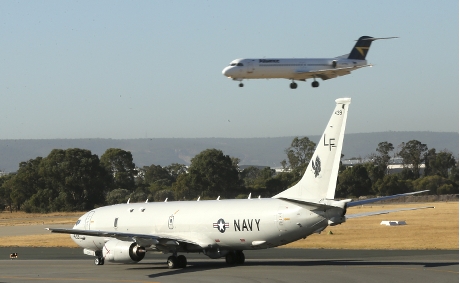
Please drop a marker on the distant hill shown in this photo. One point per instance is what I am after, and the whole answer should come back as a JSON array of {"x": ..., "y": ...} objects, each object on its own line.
[{"x": 251, "y": 151}]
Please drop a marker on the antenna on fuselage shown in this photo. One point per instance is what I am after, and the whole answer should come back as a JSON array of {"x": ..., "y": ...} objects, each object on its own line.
[
  {"x": 147, "y": 201},
  {"x": 166, "y": 200},
  {"x": 249, "y": 197},
  {"x": 218, "y": 198},
  {"x": 198, "y": 199},
  {"x": 128, "y": 200}
]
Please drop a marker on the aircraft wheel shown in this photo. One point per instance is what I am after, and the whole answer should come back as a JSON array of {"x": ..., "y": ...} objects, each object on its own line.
[
  {"x": 315, "y": 84},
  {"x": 241, "y": 85},
  {"x": 293, "y": 85},
  {"x": 99, "y": 261},
  {"x": 181, "y": 261},
  {"x": 240, "y": 257},
  {"x": 230, "y": 258},
  {"x": 172, "y": 262}
]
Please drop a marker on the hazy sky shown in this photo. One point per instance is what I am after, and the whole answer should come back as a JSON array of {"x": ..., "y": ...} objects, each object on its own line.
[{"x": 137, "y": 69}]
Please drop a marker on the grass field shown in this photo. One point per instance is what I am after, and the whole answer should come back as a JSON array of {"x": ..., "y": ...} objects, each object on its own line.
[{"x": 436, "y": 228}]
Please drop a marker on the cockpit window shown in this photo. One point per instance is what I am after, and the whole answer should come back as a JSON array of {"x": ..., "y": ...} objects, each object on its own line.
[
  {"x": 239, "y": 64},
  {"x": 233, "y": 64},
  {"x": 78, "y": 222}
]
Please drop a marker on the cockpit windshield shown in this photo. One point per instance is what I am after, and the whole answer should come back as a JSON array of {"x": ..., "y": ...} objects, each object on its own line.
[{"x": 236, "y": 64}]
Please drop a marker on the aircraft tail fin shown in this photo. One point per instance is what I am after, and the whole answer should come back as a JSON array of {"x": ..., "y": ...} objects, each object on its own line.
[
  {"x": 361, "y": 48},
  {"x": 320, "y": 177}
]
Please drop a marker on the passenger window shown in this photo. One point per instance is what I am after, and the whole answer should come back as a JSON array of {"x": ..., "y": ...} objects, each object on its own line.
[{"x": 115, "y": 223}]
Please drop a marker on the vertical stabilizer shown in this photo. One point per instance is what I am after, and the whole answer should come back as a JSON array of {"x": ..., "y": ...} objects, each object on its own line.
[
  {"x": 320, "y": 178},
  {"x": 361, "y": 48}
]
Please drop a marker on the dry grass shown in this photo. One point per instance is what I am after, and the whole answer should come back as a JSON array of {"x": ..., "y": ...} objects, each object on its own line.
[
  {"x": 47, "y": 240},
  {"x": 436, "y": 228},
  {"x": 22, "y": 218}
]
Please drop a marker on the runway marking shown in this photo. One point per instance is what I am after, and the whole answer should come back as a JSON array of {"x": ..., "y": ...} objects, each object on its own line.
[{"x": 71, "y": 279}]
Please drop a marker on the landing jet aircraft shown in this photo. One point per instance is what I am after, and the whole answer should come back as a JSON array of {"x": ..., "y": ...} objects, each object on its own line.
[
  {"x": 224, "y": 228},
  {"x": 301, "y": 69}
]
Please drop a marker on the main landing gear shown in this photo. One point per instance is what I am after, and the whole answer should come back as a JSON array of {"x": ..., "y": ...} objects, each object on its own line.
[
  {"x": 177, "y": 261},
  {"x": 293, "y": 85},
  {"x": 99, "y": 261},
  {"x": 235, "y": 257},
  {"x": 240, "y": 84}
]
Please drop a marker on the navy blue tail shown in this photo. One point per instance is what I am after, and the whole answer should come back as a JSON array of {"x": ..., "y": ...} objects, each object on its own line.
[{"x": 361, "y": 48}]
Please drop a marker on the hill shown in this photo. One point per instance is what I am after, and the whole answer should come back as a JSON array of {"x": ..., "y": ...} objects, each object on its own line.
[{"x": 251, "y": 151}]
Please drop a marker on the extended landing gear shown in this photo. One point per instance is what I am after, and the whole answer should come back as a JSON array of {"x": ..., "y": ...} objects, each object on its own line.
[
  {"x": 235, "y": 257},
  {"x": 293, "y": 85},
  {"x": 99, "y": 261},
  {"x": 177, "y": 262},
  {"x": 241, "y": 85},
  {"x": 315, "y": 84}
]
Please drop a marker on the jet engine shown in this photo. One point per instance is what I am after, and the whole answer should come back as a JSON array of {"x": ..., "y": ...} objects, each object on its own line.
[
  {"x": 124, "y": 252},
  {"x": 341, "y": 63}
]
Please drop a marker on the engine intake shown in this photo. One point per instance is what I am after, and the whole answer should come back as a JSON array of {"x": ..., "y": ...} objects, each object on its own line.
[{"x": 125, "y": 252}]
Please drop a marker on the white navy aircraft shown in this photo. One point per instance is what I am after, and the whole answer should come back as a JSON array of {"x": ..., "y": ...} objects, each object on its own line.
[
  {"x": 301, "y": 69},
  {"x": 224, "y": 228}
]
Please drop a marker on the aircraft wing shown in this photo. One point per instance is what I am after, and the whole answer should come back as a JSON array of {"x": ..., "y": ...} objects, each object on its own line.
[
  {"x": 327, "y": 73},
  {"x": 142, "y": 239},
  {"x": 350, "y": 216}
]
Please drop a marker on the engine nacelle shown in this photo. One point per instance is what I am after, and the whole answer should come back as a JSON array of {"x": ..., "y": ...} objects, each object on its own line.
[
  {"x": 124, "y": 252},
  {"x": 341, "y": 63}
]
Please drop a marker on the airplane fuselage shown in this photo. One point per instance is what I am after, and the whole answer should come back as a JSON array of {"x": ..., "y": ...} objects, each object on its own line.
[
  {"x": 224, "y": 224},
  {"x": 292, "y": 69}
]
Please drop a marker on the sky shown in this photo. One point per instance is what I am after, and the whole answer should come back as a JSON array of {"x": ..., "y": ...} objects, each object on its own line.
[{"x": 153, "y": 69}]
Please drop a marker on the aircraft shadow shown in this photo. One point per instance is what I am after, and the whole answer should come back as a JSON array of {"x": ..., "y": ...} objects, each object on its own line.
[{"x": 197, "y": 266}]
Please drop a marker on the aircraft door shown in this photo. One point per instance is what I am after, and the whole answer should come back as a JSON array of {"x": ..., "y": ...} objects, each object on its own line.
[{"x": 88, "y": 220}]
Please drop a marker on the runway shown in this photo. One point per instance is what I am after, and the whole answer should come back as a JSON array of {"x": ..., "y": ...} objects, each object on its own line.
[{"x": 273, "y": 265}]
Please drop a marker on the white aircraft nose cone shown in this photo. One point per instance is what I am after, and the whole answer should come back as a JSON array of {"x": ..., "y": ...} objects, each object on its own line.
[{"x": 226, "y": 71}]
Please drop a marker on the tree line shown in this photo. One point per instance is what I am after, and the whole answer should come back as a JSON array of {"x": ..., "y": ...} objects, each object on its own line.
[{"x": 77, "y": 180}]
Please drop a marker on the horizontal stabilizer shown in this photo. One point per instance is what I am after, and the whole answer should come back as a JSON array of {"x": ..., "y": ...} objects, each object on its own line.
[
  {"x": 371, "y": 200},
  {"x": 349, "y": 216}
]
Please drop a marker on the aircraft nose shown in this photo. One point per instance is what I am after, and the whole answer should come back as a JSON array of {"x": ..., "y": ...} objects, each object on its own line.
[{"x": 226, "y": 71}]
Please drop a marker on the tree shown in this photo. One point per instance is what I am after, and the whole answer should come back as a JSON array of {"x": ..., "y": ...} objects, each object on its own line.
[
  {"x": 176, "y": 169},
  {"x": 299, "y": 155},
  {"x": 119, "y": 163},
  {"x": 382, "y": 159},
  {"x": 439, "y": 163},
  {"x": 75, "y": 179},
  {"x": 156, "y": 173},
  {"x": 255, "y": 178},
  {"x": 211, "y": 173},
  {"x": 354, "y": 181},
  {"x": 390, "y": 185},
  {"x": 26, "y": 182},
  {"x": 436, "y": 184},
  {"x": 117, "y": 196},
  {"x": 413, "y": 153}
]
